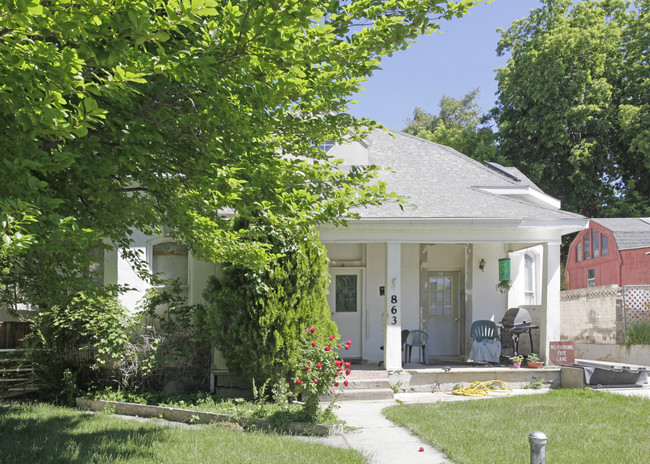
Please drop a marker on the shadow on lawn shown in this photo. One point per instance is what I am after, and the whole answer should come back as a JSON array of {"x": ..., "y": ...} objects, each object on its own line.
[{"x": 27, "y": 434}]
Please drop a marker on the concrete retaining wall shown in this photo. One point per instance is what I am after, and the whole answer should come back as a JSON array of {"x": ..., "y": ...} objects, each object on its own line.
[
  {"x": 200, "y": 417},
  {"x": 637, "y": 355},
  {"x": 592, "y": 315}
]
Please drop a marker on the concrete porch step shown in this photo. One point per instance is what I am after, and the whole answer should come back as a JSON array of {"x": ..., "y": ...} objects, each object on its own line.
[{"x": 367, "y": 384}]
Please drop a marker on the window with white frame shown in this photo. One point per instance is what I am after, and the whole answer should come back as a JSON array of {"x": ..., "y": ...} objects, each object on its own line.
[
  {"x": 591, "y": 277},
  {"x": 170, "y": 261},
  {"x": 595, "y": 242}
]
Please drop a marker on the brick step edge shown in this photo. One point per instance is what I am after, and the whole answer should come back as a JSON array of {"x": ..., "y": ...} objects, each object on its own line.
[
  {"x": 362, "y": 384},
  {"x": 189, "y": 416},
  {"x": 365, "y": 394}
]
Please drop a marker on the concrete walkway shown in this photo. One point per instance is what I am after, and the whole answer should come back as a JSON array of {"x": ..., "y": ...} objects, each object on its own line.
[
  {"x": 378, "y": 439},
  {"x": 383, "y": 442}
]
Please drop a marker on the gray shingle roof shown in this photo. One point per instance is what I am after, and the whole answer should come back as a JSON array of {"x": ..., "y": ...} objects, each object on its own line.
[
  {"x": 629, "y": 233},
  {"x": 443, "y": 183}
]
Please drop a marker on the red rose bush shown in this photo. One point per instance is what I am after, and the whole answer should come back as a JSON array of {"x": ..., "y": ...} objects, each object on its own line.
[{"x": 319, "y": 369}]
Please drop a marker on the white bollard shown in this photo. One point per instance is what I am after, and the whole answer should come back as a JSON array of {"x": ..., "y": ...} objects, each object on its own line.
[{"x": 537, "y": 447}]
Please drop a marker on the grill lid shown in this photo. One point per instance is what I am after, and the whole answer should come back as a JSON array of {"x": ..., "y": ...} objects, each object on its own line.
[{"x": 515, "y": 317}]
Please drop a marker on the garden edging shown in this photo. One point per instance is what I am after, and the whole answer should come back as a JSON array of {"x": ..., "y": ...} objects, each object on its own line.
[{"x": 189, "y": 416}]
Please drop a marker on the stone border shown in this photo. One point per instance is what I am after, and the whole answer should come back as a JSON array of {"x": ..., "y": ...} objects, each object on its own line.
[{"x": 189, "y": 416}]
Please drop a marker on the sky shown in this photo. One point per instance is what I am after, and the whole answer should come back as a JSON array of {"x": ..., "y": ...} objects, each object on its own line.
[{"x": 452, "y": 63}]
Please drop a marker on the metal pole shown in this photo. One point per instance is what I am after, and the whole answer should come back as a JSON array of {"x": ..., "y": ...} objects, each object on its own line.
[{"x": 537, "y": 447}]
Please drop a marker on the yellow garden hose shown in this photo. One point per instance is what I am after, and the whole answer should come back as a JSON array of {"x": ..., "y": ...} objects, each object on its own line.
[{"x": 481, "y": 389}]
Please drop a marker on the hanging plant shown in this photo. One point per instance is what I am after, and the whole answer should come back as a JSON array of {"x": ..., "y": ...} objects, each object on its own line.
[{"x": 503, "y": 286}]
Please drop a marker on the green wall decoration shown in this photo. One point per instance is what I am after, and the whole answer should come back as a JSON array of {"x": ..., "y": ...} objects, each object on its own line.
[{"x": 504, "y": 269}]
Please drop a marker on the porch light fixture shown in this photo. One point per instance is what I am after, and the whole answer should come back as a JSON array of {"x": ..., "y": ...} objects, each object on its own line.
[{"x": 481, "y": 265}]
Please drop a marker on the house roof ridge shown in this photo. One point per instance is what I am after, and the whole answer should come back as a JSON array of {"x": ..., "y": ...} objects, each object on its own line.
[{"x": 463, "y": 156}]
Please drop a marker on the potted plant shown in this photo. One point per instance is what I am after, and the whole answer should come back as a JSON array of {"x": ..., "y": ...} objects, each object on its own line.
[
  {"x": 517, "y": 359},
  {"x": 533, "y": 361}
]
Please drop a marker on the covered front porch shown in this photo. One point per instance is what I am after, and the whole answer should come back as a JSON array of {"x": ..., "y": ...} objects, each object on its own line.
[{"x": 381, "y": 287}]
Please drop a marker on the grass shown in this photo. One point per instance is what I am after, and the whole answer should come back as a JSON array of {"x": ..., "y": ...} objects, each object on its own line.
[
  {"x": 44, "y": 433},
  {"x": 638, "y": 334},
  {"x": 581, "y": 426}
]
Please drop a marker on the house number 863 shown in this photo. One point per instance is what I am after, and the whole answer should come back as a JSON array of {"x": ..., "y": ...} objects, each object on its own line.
[{"x": 393, "y": 309}]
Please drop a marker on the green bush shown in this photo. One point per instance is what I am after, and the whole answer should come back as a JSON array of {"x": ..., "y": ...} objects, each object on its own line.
[
  {"x": 256, "y": 316},
  {"x": 173, "y": 348},
  {"x": 70, "y": 344}
]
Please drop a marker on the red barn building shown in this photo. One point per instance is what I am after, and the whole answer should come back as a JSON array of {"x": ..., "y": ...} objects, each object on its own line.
[{"x": 611, "y": 251}]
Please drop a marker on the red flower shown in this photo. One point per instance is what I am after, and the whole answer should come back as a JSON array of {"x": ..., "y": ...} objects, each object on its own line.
[
  {"x": 315, "y": 380},
  {"x": 421, "y": 449},
  {"x": 332, "y": 337},
  {"x": 346, "y": 383},
  {"x": 312, "y": 330},
  {"x": 347, "y": 371},
  {"x": 306, "y": 368},
  {"x": 318, "y": 365},
  {"x": 313, "y": 343},
  {"x": 347, "y": 347},
  {"x": 328, "y": 348},
  {"x": 298, "y": 382},
  {"x": 336, "y": 384},
  {"x": 349, "y": 342},
  {"x": 348, "y": 364}
]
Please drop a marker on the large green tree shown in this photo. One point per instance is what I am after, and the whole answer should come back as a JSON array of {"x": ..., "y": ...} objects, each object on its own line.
[
  {"x": 573, "y": 108},
  {"x": 128, "y": 114},
  {"x": 459, "y": 124}
]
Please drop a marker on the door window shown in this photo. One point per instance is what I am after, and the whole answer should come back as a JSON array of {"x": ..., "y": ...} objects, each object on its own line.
[
  {"x": 441, "y": 296},
  {"x": 346, "y": 293}
]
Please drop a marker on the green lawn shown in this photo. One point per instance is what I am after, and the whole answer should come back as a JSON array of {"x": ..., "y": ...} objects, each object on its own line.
[
  {"x": 581, "y": 426},
  {"x": 41, "y": 433}
]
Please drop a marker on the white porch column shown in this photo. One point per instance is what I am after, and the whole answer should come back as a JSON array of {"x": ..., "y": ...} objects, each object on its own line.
[
  {"x": 550, "y": 326},
  {"x": 393, "y": 332}
]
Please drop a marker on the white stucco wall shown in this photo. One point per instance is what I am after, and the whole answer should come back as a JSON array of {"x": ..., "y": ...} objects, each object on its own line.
[
  {"x": 374, "y": 323},
  {"x": 119, "y": 270},
  {"x": 411, "y": 287},
  {"x": 487, "y": 301},
  {"x": 127, "y": 276}
]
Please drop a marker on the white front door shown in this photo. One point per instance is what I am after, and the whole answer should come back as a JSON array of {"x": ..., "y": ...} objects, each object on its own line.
[
  {"x": 345, "y": 297},
  {"x": 442, "y": 297}
]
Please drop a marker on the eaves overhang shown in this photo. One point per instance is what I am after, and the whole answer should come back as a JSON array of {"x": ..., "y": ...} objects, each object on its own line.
[
  {"x": 525, "y": 193},
  {"x": 452, "y": 229}
]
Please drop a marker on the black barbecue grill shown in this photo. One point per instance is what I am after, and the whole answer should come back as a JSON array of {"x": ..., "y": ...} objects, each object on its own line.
[{"x": 515, "y": 322}]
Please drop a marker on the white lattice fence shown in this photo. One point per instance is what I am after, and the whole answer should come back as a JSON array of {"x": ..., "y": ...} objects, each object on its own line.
[{"x": 636, "y": 301}]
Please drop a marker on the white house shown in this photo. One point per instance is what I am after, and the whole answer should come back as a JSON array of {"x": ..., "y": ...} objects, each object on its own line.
[{"x": 432, "y": 265}]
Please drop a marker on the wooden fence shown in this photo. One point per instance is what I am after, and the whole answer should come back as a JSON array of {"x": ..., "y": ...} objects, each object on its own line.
[{"x": 12, "y": 333}]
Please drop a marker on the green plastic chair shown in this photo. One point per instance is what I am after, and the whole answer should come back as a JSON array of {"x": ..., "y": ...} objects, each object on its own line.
[
  {"x": 485, "y": 330},
  {"x": 417, "y": 339}
]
